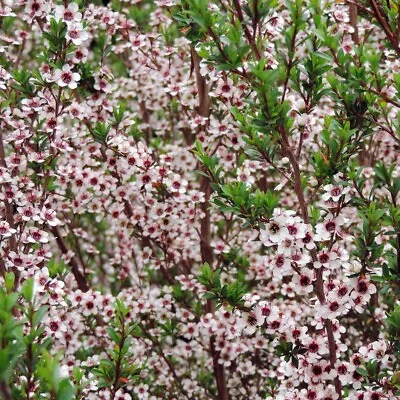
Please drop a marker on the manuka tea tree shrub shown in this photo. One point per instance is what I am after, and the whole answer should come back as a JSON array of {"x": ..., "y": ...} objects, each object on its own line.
[{"x": 199, "y": 200}]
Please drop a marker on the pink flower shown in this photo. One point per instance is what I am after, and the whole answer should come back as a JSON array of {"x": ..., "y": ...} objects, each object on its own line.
[
  {"x": 138, "y": 41},
  {"x": 80, "y": 55}
]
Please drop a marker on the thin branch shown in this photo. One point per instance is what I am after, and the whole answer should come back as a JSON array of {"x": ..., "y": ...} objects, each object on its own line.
[
  {"x": 249, "y": 37},
  {"x": 79, "y": 276},
  {"x": 9, "y": 215},
  {"x": 353, "y": 22},
  {"x": 385, "y": 26},
  {"x": 319, "y": 285},
  {"x": 205, "y": 228}
]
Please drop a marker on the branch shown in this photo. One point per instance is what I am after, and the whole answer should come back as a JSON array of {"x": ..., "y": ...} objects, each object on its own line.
[
  {"x": 79, "y": 277},
  {"x": 319, "y": 285},
  {"x": 205, "y": 227},
  {"x": 353, "y": 22},
  {"x": 249, "y": 37},
  {"x": 9, "y": 215},
  {"x": 385, "y": 26}
]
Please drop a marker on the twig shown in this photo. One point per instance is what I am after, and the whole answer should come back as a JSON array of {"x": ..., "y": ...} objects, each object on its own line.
[
  {"x": 246, "y": 30},
  {"x": 385, "y": 26},
  {"x": 205, "y": 228},
  {"x": 319, "y": 285},
  {"x": 79, "y": 276},
  {"x": 353, "y": 22}
]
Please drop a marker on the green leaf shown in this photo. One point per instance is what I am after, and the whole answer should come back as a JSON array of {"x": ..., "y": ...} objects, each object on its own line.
[
  {"x": 362, "y": 371},
  {"x": 115, "y": 337},
  {"x": 65, "y": 390},
  {"x": 27, "y": 289},
  {"x": 39, "y": 314},
  {"x": 9, "y": 279}
]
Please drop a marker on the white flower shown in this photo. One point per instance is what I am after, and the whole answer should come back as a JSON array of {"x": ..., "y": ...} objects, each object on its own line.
[
  {"x": 296, "y": 228},
  {"x": 331, "y": 309},
  {"x": 50, "y": 217},
  {"x": 120, "y": 395},
  {"x": 69, "y": 14},
  {"x": 224, "y": 88},
  {"x": 345, "y": 372},
  {"x": 304, "y": 282},
  {"x": 5, "y": 230},
  {"x": 250, "y": 320},
  {"x": 41, "y": 279},
  {"x": 281, "y": 265},
  {"x": 327, "y": 259},
  {"x": 77, "y": 34},
  {"x": 334, "y": 192},
  {"x": 375, "y": 350},
  {"x": 378, "y": 350},
  {"x": 274, "y": 232},
  {"x": 142, "y": 391},
  {"x": 54, "y": 326},
  {"x": 37, "y": 236},
  {"x": 4, "y": 77},
  {"x": 66, "y": 77},
  {"x": 331, "y": 226},
  {"x": 176, "y": 183}
]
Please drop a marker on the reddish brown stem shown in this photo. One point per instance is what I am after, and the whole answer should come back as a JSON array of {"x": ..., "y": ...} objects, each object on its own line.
[
  {"x": 385, "y": 26},
  {"x": 205, "y": 227},
  {"x": 249, "y": 37},
  {"x": 319, "y": 285},
  {"x": 9, "y": 215},
  {"x": 79, "y": 276},
  {"x": 353, "y": 22}
]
